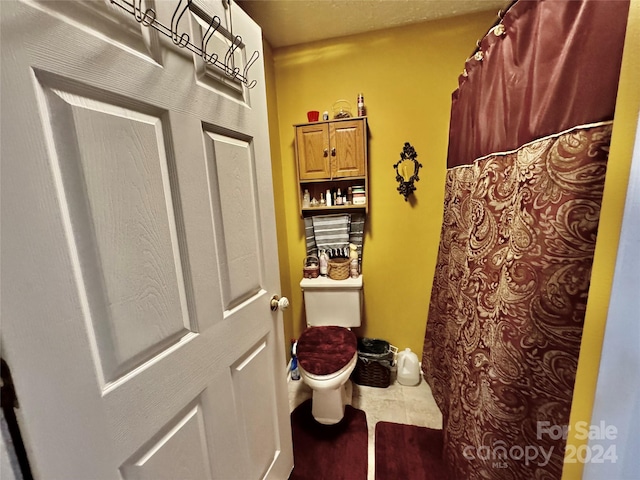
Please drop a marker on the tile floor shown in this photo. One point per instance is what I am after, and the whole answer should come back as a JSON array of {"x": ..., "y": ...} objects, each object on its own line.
[{"x": 396, "y": 403}]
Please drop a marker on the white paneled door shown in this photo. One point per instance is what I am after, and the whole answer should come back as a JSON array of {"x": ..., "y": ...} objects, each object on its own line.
[{"x": 139, "y": 247}]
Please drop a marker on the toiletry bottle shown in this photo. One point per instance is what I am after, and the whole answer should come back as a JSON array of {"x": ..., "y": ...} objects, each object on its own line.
[
  {"x": 328, "y": 197},
  {"x": 306, "y": 200},
  {"x": 339, "y": 198},
  {"x": 322, "y": 202},
  {"x": 324, "y": 261},
  {"x": 353, "y": 264},
  {"x": 295, "y": 372},
  {"x": 361, "y": 109}
]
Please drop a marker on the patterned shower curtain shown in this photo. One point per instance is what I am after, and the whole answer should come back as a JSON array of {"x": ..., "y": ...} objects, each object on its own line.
[{"x": 528, "y": 149}]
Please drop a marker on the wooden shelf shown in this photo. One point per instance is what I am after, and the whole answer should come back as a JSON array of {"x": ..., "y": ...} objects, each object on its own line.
[
  {"x": 336, "y": 180},
  {"x": 335, "y": 120},
  {"x": 312, "y": 210}
]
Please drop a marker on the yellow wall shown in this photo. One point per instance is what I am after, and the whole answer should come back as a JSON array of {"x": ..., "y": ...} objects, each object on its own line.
[
  {"x": 278, "y": 188},
  {"x": 407, "y": 76},
  {"x": 622, "y": 141}
]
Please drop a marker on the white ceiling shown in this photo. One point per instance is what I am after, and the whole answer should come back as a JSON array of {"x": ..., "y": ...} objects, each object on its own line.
[{"x": 291, "y": 22}]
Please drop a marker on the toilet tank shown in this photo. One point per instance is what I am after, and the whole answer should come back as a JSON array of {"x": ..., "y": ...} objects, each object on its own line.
[{"x": 332, "y": 302}]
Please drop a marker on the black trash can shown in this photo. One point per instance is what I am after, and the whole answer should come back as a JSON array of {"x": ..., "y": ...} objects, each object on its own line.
[{"x": 375, "y": 358}]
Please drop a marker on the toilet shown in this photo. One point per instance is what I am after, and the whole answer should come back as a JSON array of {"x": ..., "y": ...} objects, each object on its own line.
[{"x": 327, "y": 350}]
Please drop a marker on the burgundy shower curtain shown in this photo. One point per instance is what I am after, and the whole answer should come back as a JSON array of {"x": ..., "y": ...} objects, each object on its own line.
[{"x": 528, "y": 147}]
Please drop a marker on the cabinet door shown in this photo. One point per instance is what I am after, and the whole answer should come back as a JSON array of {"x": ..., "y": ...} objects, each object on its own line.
[
  {"x": 312, "y": 144},
  {"x": 347, "y": 148}
]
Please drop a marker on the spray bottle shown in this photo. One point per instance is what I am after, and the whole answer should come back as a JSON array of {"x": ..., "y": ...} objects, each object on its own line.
[{"x": 295, "y": 372}]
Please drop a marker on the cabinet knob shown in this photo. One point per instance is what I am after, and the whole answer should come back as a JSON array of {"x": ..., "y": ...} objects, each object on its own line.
[
  {"x": 326, "y": 152},
  {"x": 333, "y": 152}
]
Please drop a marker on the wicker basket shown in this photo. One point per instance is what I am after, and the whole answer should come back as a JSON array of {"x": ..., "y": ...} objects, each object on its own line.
[
  {"x": 373, "y": 368},
  {"x": 371, "y": 374},
  {"x": 338, "y": 268},
  {"x": 310, "y": 267}
]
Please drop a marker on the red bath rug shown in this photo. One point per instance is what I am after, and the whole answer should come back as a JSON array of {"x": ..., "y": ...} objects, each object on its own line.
[
  {"x": 336, "y": 452},
  {"x": 408, "y": 452}
]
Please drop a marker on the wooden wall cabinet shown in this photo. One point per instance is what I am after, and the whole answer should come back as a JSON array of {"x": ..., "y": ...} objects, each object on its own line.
[{"x": 331, "y": 154}]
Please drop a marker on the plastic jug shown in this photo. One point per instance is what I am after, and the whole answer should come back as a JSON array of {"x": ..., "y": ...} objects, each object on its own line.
[{"x": 408, "y": 368}]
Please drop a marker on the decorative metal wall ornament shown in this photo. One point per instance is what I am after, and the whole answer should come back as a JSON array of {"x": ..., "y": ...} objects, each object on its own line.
[{"x": 407, "y": 170}]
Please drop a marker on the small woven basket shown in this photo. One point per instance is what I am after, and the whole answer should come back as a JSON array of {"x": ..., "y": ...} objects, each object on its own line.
[
  {"x": 338, "y": 268},
  {"x": 310, "y": 267}
]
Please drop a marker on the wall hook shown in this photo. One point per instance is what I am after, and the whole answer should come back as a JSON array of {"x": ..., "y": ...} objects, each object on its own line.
[{"x": 148, "y": 18}]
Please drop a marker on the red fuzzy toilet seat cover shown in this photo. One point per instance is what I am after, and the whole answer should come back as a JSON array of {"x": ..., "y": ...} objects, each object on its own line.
[{"x": 325, "y": 350}]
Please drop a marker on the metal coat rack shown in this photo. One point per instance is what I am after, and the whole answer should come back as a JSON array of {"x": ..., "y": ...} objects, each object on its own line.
[{"x": 147, "y": 17}]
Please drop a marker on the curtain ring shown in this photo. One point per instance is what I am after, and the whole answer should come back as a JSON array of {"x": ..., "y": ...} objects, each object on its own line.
[
  {"x": 499, "y": 30},
  {"x": 479, "y": 56}
]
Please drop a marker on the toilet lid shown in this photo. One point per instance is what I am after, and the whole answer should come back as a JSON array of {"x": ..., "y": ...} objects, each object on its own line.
[{"x": 325, "y": 350}]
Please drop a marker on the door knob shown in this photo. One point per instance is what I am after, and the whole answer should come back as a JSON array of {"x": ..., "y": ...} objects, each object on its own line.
[
  {"x": 326, "y": 152},
  {"x": 278, "y": 303},
  {"x": 333, "y": 152}
]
